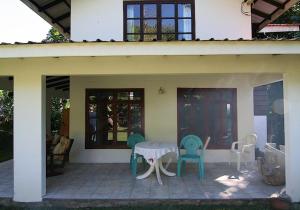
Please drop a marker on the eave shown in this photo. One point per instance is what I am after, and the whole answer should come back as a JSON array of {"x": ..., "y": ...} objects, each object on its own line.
[
  {"x": 93, "y": 49},
  {"x": 265, "y": 12},
  {"x": 56, "y": 12}
]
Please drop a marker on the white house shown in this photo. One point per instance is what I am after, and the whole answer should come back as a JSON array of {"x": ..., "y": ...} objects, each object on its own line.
[{"x": 163, "y": 68}]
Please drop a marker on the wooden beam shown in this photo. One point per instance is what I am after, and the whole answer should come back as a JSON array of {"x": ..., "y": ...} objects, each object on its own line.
[
  {"x": 260, "y": 13},
  {"x": 275, "y": 3},
  {"x": 62, "y": 87},
  {"x": 51, "y": 4},
  {"x": 66, "y": 3},
  {"x": 58, "y": 84},
  {"x": 63, "y": 16},
  {"x": 277, "y": 13},
  {"x": 55, "y": 79}
]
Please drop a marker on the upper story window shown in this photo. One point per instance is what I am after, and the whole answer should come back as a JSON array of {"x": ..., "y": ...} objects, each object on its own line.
[{"x": 159, "y": 20}]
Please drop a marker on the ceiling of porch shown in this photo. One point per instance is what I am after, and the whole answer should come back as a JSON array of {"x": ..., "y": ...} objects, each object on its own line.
[
  {"x": 58, "y": 12},
  {"x": 58, "y": 82}
]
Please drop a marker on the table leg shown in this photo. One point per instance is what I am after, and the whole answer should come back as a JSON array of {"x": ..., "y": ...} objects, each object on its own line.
[
  {"x": 148, "y": 173},
  {"x": 164, "y": 170},
  {"x": 158, "y": 172}
]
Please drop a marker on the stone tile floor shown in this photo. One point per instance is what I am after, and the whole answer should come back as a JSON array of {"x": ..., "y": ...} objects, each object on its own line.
[
  {"x": 113, "y": 181},
  {"x": 6, "y": 179}
]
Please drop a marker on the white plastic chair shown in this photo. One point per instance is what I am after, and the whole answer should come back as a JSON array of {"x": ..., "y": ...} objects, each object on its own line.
[{"x": 245, "y": 148}]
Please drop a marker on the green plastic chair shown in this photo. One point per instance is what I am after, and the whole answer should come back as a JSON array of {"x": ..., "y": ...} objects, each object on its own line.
[
  {"x": 192, "y": 144},
  {"x": 131, "y": 142}
]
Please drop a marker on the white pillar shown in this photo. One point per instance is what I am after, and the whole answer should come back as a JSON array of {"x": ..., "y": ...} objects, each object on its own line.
[
  {"x": 29, "y": 138},
  {"x": 292, "y": 133}
]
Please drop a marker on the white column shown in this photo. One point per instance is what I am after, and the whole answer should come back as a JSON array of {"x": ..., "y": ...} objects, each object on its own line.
[
  {"x": 292, "y": 133},
  {"x": 29, "y": 138}
]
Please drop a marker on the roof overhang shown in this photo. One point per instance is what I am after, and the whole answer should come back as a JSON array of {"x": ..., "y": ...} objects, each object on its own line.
[
  {"x": 271, "y": 28},
  {"x": 178, "y": 48},
  {"x": 265, "y": 12},
  {"x": 56, "y": 12}
]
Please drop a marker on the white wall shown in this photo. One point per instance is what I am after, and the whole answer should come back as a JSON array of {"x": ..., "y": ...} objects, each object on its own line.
[
  {"x": 160, "y": 110},
  {"x": 103, "y": 19},
  {"x": 97, "y": 19},
  {"x": 221, "y": 19}
]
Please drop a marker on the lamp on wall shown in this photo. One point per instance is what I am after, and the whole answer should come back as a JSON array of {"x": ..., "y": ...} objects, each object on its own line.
[{"x": 161, "y": 90}]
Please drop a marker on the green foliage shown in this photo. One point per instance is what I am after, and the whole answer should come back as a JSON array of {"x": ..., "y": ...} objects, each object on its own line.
[
  {"x": 57, "y": 106},
  {"x": 291, "y": 16},
  {"x": 55, "y": 36},
  {"x": 6, "y": 111},
  {"x": 6, "y": 125}
]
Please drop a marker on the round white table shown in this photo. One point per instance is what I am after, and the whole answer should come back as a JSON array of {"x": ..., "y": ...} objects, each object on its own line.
[{"x": 153, "y": 152}]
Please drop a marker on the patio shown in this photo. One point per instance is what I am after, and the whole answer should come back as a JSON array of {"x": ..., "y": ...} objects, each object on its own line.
[{"x": 113, "y": 182}]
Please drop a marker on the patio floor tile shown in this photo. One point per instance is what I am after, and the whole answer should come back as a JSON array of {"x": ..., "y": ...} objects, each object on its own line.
[{"x": 113, "y": 181}]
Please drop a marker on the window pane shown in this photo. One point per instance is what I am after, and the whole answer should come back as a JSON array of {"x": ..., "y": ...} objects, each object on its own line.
[
  {"x": 184, "y": 36},
  {"x": 122, "y": 126},
  {"x": 184, "y": 10},
  {"x": 150, "y": 10},
  {"x": 106, "y": 96},
  {"x": 133, "y": 11},
  {"x": 206, "y": 112},
  {"x": 109, "y": 122},
  {"x": 92, "y": 115},
  {"x": 168, "y": 10},
  {"x": 184, "y": 25},
  {"x": 134, "y": 37},
  {"x": 168, "y": 37},
  {"x": 136, "y": 118},
  {"x": 150, "y": 26},
  {"x": 150, "y": 37},
  {"x": 168, "y": 26},
  {"x": 123, "y": 96},
  {"x": 122, "y": 136},
  {"x": 133, "y": 26},
  {"x": 135, "y": 95}
]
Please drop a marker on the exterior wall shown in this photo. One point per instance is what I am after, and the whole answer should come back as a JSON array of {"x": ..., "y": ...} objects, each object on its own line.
[
  {"x": 292, "y": 134},
  {"x": 160, "y": 110},
  {"x": 103, "y": 19},
  {"x": 97, "y": 19},
  {"x": 220, "y": 19}
]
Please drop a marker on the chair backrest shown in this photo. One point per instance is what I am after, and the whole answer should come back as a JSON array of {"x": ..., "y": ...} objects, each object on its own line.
[
  {"x": 191, "y": 144},
  {"x": 133, "y": 139},
  {"x": 250, "y": 139},
  {"x": 206, "y": 143}
]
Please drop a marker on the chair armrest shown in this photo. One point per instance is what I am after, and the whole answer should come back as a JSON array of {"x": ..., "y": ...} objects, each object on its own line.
[{"x": 233, "y": 145}]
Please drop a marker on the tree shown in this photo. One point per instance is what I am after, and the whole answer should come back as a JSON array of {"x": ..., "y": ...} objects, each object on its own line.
[
  {"x": 6, "y": 111},
  {"x": 55, "y": 36}
]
